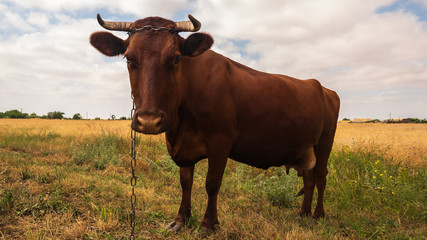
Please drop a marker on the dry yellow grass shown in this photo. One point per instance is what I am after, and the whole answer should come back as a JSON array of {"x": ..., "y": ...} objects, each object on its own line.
[
  {"x": 400, "y": 142},
  {"x": 403, "y": 143},
  {"x": 66, "y": 127},
  {"x": 75, "y": 128}
]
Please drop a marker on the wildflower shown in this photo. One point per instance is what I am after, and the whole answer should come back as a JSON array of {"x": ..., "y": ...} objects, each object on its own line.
[
  {"x": 385, "y": 171},
  {"x": 392, "y": 193},
  {"x": 381, "y": 175},
  {"x": 382, "y": 188},
  {"x": 373, "y": 177},
  {"x": 378, "y": 161},
  {"x": 376, "y": 171},
  {"x": 391, "y": 177}
]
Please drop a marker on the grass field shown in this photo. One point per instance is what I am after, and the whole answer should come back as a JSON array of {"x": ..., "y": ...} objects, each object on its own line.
[{"x": 64, "y": 179}]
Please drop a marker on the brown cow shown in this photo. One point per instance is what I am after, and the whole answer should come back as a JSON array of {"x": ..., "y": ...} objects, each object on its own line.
[{"x": 212, "y": 107}]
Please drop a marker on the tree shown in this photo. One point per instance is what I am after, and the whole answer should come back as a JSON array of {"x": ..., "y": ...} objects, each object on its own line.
[
  {"x": 15, "y": 114},
  {"x": 34, "y": 115},
  {"x": 55, "y": 115},
  {"x": 77, "y": 116},
  {"x": 374, "y": 121}
]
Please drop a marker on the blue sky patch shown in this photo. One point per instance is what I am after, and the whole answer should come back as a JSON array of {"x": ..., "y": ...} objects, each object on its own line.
[{"x": 412, "y": 7}]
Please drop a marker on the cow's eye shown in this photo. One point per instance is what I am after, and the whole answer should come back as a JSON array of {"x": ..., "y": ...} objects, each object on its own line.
[
  {"x": 130, "y": 62},
  {"x": 176, "y": 59}
]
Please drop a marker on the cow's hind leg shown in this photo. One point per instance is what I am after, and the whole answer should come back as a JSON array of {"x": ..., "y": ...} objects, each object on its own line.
[
  {"x": 321, "y": 170},
  {"x": 307, "y": 162},
  {"x": 184, "y": 213},
  {"x": 320, "y": 173},
  {"x": 319, "y": 212},
  {"x": 309, "y": 183}
]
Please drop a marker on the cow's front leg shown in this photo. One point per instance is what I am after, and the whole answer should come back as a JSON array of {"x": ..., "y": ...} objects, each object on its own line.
[
  {"x": 213, "y": 184},
  {"x": 184, "y": 213}
]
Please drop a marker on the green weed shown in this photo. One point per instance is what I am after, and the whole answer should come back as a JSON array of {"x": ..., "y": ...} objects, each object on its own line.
[
  {"x": 82, "y": 154},
  {"x": 280, "y": 188},
  {"x": 153, "y": 217},
  {"x": 100, "y": 152},
  {"x": 42, "y": 205},
  {"x": 45, "y": 178},
  {"x": 25, "y": 174},
  {"x": 6, "y": 201}
]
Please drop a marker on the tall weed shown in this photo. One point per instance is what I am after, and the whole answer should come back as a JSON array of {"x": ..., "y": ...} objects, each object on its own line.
[
  {"x": 6, "y": 201},
  {"x": 25, "y": 141},
  {"x": 104, "y": 150}
]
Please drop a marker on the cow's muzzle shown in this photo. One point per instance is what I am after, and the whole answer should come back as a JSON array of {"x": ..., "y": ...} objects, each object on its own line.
[{"x": 150, "y": 123}]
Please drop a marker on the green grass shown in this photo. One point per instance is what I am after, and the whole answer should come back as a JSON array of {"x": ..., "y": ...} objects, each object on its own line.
[
  {"x": 64, "y": 187},
  {"x": 100, "y": 152},
  {"x": 375, "y": 199}
]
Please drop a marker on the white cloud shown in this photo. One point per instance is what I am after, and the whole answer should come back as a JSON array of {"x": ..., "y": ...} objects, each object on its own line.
[
  {"x": 10, "y": 20},
  {"x": 400, "y": 104},
  {"x": 48, "y": 70},
  {"x": 39, "y": 19},
  {"x": 47, "y": 60},
  {"x": 49, "y": 64},
  {"x": 135, "y": 7},
  {"x": 347, "y": 45}
]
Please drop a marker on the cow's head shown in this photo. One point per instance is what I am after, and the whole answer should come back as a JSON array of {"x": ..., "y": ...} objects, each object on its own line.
[{"x": 154, "y": 52}]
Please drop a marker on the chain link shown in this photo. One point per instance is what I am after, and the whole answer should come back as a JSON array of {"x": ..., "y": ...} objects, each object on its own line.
[
  {"x": 149, "y": 28},
  {"x": 133, "y": 178}
]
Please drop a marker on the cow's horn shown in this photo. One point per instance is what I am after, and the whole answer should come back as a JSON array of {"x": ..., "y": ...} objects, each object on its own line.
[
  {"x": 188, "y": 26},
  {"x": 117, "y": 26}
]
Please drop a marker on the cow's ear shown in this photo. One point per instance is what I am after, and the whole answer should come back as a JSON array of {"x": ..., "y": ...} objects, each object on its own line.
[
  {"x": 107, "y": 43},
  {"x": 196, "y": 44}
]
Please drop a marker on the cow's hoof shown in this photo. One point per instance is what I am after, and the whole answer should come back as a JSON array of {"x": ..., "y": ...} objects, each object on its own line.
[
  {"x": 174, "y": 226},
  {"x": 205, "y": 231},
  {"x": 318, "y": 215},
  {"x": 302, "y": 213}
]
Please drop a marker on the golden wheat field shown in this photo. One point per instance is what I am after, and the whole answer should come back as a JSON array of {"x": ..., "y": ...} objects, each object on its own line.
[
  {"x": 400, "y": 142},
  {"x": 66, "y": 127}
]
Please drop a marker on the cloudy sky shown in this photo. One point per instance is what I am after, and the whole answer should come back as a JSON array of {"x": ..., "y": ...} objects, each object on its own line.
[{"x": 373, "y": 53}]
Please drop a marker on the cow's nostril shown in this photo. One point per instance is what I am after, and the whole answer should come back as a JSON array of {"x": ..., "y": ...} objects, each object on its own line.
[
  {"x": 159, "y": 122},
  {"x": 150, "y": 123},
  {"x": 149, "y": 120},
  {"x": 140, "y": 119}
]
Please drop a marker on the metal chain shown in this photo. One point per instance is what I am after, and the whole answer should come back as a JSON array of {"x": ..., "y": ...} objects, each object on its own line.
[
  {"x": 148, "y": 28},
  {"x": 133, "y": 178}
]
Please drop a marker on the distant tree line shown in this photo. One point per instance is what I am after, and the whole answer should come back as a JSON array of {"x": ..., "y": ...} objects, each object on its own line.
[
  {"x": 404, "y": 120},
  {"x": 50, "y": 115}
]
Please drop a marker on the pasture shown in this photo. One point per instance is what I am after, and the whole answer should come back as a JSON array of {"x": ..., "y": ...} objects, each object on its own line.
[{"x": 65, "y": 179}]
